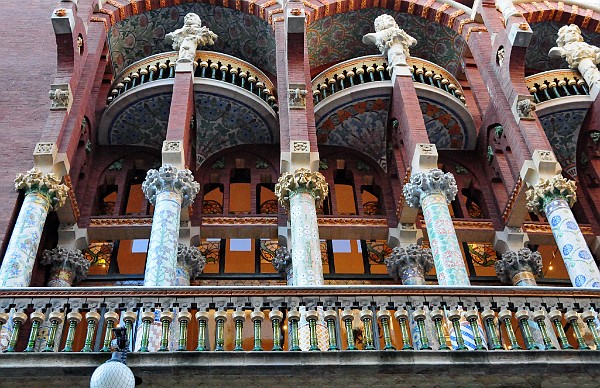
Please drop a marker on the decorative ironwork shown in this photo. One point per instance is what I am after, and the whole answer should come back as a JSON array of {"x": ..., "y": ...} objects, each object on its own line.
[
  {"x": 269, "y": 207},
  {"x": 211, "y": 207},
  {"x": 378, "y": 251},
  {"x": 99, "y": 254},
  {"x": 483, "y": 254}
]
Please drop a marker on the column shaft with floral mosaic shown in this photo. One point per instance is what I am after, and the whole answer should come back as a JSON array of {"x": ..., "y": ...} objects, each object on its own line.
[
  {"x": 433, "y": 191},
  {"x": 168, "y": 189},
  {"x": 301, "y": 193},
  {"x": 554, "y": 198},
  {"x": 43, "y": 193}
]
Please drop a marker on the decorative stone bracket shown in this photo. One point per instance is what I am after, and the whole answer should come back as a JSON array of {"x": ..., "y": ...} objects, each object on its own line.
[
  {"x": 61, "y": 97},
  {"x": 191, "y": 258}
]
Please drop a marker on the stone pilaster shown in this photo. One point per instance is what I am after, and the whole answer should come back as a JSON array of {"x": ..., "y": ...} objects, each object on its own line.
[
  {"x": 519, "y": 268},
  {"x": 190, "y": 264},
  {"x": 67, "y": 266},
  {"x": 410, "y": 264},
  {"x": 433, "y": 191},
  {"x": 168, "y": 189},
  {"x": 43, "y": 193},
  {"x": 283, "y": 264},
  {"x": 554, "y": 198},
  {"x": 301, "y": 193}
]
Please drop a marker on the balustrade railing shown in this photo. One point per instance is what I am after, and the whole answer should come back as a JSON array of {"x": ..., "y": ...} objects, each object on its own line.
[
  {"x": 553, "y": 84},
  {"x": 208, "y": 64},
  {"x": 373, "y": 68},
  {"x": 331, "y": 318}
]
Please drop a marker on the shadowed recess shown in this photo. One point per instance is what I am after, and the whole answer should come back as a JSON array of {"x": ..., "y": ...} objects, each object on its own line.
[{"x": 241, "y": 35}]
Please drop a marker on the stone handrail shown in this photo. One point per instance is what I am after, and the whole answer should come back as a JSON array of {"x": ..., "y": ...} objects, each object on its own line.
[
  {"x": 208, "y": 64},
  {"x": 373, "y": 68},
  {"x": 554, "y": 84},
  {"x": 441, "y": 317}
]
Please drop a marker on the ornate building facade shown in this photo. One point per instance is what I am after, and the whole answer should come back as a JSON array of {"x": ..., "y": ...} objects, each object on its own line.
[{"x": 383, "y": 191}]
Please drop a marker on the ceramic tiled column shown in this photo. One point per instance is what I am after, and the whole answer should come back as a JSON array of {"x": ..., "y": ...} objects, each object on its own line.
[
  {"x": 66, "y": 266},
  {"x": 519, "y": 268},
  {"x": 43, "y": 193},
  {"x": 302, "y": 192},
  {"x": 433, "y": 191},
  {"x": 554, "y": 198},
  {"x": 168, "y": 189},
  {"x": 410, "y": 264},
  {"x": 190, "y": 263}
]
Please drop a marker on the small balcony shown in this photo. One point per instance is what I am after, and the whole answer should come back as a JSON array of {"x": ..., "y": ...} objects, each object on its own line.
[{"x": 554, "y": 84}]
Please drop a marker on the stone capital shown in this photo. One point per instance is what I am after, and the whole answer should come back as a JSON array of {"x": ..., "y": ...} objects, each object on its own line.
[
  {"x": 169, "y": 178},
  {"x": 547, "y": 190},
  {"x": 302, "y": 180},
  {"x": 282, "y": 260},
  {"x": 411, "y": 257},
  {"x": 432, "y": 181},
  {"x": 72, "y": 260},
  {"x": 191, "y": 258},
  {"x": 514, "y": 262},
  {"x": 47, "y": 184}
]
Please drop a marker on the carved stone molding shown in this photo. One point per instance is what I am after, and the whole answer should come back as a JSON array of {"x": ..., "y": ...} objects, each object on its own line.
[
  {"x": 47, "y": 184},
  {"x": 192, "y": 258},
  {"x": 300, "y": 146},
  {"x": 547, "y": 190},
  {"x": 172, "y": 146},
  {"x": 458, "y": 224},
  {"x": 239, "y": 221},
  {"x": 424, "y": 183},
  {"x": 525, "y": 108},
  {"x": 282, "y": 260},
  {"x": 352, "y": 221},
  {"x": 301, "y": 180},
  {"x": 412, "y": 257},
  {"x": 169, "y": 178},
  {"x": 71, "y": 260},
  {"x": 103, "y": 222},
  {"x": 512, "y": 263}
]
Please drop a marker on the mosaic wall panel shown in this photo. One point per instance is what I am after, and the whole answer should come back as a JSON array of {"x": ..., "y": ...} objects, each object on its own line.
[
  {"x": 358, "y": 125},
  {"x": 544, "y": 38},
  {"x": 143, "y": 123},
  {"x": 223, "y": 122},
  {"x": 339, "y": 37},
  {"x": 444, "y": 128},
  {"x": 242, "y": 35},
  {"x": 562, "y": 130}
]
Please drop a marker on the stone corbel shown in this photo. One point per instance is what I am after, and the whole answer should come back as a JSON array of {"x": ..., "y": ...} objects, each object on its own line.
[
  {"x": 425, "y": 158},
  {"x": 403, "y": 235},
  {"x": 543, "y": 166},
  {"x": 297, "y": 96},
  {"x": 72, "y": 237},
  {"x": 63, "y": 21},
  {"x": 299, "y": 156},
  {"x": 295, "y": 19},
  {"x": 510, "y": 239},
  {"x": 523, "y": 108},
  {"x": 61, "y": 97},
  {"x": 172, "y": 153}
]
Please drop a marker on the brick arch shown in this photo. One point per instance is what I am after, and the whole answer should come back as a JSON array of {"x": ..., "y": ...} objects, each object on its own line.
[{"x": 558, "y": 11}]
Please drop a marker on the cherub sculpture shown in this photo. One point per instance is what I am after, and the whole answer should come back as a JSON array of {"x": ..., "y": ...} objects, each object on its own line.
[
  {"x": 578, "y": 54},
  {"x": 391, "y": 40},
  {"x": 189, "y": 37}
]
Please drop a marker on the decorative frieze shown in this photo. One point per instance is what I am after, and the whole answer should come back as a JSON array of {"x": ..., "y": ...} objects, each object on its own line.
[
  {"x": 46, "y": 184},
  {"x": 519, "y": 268},
  {"x": 302, "y": 180}
]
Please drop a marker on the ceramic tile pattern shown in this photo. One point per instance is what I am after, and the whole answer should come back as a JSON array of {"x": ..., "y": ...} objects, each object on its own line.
[
  {"x": 444, "y": 128},
  {"x": 306, "y": 254}
]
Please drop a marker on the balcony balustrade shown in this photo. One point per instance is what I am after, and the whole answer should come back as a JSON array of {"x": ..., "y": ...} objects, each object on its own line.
[
  {"x": 208, "y": 64},
  {"x": 334, "y": 318},
  {"x": 553, "y": 84},
  {"x": 373, "y": 68}
]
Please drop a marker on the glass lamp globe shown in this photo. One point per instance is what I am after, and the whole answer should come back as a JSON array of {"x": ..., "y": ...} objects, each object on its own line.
[{"x": 112, "y": 374}]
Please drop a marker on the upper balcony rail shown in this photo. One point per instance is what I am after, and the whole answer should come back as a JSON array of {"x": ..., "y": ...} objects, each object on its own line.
[
  {"x": 553, "y": 84},
  {"x": 208, "y": 64},
  {"x": 289, "y": 318},
  {"x": 374, "y": 68}
]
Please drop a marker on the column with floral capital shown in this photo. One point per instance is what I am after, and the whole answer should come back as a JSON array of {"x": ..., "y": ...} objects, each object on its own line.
[
  {"x": 168, "y": 189},
  {"x": 519, "y": 268},
  {"x": 190, "y": 264},
  {"x": 410, "y": 264},
  {"x": 43, "y": 193},
  {"x": 554, "y": 198},
  {"x": 301, "y": 193},
  {"x": 66, "y": 266},
  {"x": 433, "y": 191}
]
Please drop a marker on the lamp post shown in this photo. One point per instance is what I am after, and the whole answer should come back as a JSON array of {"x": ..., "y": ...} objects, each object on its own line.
[{"x": 116, "y": 369}]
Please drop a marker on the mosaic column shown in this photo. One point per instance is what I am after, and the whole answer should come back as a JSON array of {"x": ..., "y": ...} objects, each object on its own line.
[
  {"x": 554, "y": 198},
  {"x": 302, "y": 192},
  {"x": 168, "y": 189},
  {"x": 519, "y": 268},
  {"x": 433, "y": 191},
  {"x": 66, "y": 266},
  {"x": 43, "y": 193},
  {"x": 283, "y": 264},
  {"x": 410, "y": 264},
  {"x": 190, "y": 264}
]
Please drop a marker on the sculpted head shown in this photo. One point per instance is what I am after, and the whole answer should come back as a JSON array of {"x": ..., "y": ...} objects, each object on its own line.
[
  {"x": 569, "y": 34},
  {"x": 191, "y": 19},
  {"x": 384, "y": 22}
]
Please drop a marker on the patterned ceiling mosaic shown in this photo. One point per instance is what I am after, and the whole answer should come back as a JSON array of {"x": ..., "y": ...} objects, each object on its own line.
[
  {"x": 223, "y": 122},
  {"x": 142, "y": 123},
  {"x": 339, "y": 37},
  {"x": 543, "y": 39},
  {"x": 241, "y": 35},
  {"x": 444, "y": 128},
  {"x": 562, "y": 130},
  {"x": 358, "y": 125}
]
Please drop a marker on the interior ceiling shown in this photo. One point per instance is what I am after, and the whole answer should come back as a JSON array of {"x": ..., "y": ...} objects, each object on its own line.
[
  {"x": 543, "y": 39},
  {"x": 240, "y": 34},
  {"x": 339, "y": 37}
]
